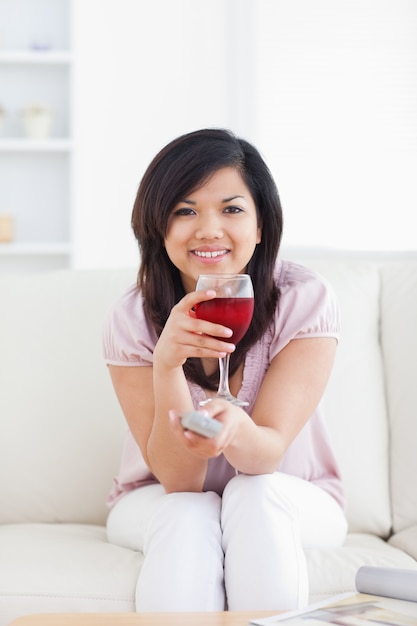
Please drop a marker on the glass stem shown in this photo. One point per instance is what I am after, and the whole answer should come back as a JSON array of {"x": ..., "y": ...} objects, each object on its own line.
[{"x": 224, "y": 376}]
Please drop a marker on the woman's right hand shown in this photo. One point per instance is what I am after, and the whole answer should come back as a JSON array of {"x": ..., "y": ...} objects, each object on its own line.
[{"x": 186, "y": 336}]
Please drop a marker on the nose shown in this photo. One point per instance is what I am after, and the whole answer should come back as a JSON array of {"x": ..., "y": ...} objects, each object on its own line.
[{"x": 209, "y": 227}]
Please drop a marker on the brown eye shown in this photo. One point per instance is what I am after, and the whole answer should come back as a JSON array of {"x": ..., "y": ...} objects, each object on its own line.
[
  {"x": 233, "y": 209},
  {"x": 184, "y": 211}
]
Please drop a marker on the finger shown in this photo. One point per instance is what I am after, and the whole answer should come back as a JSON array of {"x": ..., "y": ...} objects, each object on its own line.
[
  {"x": 207, "y": 346},
  {"x": 177, "y": 426},
  {"x": 203, "y": 327},
  {"x": 194, "y": 297},
  {"x": 216, "y": 407},
  {"x": 194, "y": 442}
]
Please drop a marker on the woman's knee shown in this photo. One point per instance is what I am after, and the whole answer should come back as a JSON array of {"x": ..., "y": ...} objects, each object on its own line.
[
  {"x": 245, "y": 483},
  {"x": 185, "y": 521},
  {"x": 189, "y": 509},
  {"x": 257, "y": 492},
  {"x": 129, "y": 518},
  {"x": 279, "y": 496}
]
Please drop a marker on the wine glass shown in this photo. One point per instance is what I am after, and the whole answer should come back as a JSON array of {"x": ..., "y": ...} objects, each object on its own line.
[{"x": 232, "y": 307}]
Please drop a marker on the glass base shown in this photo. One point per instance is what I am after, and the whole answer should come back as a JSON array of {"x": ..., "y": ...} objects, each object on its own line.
[{"x": 225, "y": 396}]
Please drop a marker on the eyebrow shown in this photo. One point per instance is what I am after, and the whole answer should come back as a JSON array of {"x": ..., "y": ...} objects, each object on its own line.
[{"x": 223, "y": 201}]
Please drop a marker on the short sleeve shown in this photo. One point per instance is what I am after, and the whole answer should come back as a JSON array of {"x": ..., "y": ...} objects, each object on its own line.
[
  {"x": 307, "y": 306},
  {"x": 128, "y": 339}
]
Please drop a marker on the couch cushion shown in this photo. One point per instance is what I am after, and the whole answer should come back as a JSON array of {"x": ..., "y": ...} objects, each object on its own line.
[
  {"x": 61, "y": 425},
  {"x": 63, "y": 568},
  {"x": 399, "y": 342},
  {"x": 355, "y": 398},
  {"x": 406, "y": 540},
  {"x": 333, "y": 570}
]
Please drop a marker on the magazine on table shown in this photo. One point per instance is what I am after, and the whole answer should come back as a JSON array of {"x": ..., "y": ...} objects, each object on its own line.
[{"x": 383, "y": 597}]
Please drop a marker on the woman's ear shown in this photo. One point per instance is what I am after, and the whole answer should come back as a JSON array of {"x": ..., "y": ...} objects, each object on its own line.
[{"x": 259, "y": 234}]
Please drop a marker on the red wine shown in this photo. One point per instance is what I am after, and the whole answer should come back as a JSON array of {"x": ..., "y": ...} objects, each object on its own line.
[{"x": 234, "y": 313}]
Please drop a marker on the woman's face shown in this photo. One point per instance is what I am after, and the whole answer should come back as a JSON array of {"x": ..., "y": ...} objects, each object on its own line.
[{"x": 214, "y": 229}]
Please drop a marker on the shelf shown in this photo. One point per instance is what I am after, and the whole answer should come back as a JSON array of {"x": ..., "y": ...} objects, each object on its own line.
[
  {"x": 35, "y": 145},
  {"x": 36, "y": 63},
  {"x": 34, "y": 249},
  {"x": 35, "y": 57}
]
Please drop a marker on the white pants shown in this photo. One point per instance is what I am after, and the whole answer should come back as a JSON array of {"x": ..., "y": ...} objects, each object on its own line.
[{"x": 241, "y": 551}]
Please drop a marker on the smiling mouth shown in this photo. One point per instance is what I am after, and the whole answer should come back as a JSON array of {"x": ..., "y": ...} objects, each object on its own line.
[{"x": 210, "y": 255}]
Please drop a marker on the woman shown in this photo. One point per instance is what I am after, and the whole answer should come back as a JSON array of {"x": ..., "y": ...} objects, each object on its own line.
[{"x": 222, "y": 521}]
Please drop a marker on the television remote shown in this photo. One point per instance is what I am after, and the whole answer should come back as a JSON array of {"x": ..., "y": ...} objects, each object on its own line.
[{"x": 200, "y": 423}]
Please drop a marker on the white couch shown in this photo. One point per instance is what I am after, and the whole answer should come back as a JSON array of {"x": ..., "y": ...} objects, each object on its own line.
[{"x": 61, "y": 433}]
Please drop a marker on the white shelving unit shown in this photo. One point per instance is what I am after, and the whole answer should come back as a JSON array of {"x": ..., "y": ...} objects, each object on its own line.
[{"x": 35, "y": 174}]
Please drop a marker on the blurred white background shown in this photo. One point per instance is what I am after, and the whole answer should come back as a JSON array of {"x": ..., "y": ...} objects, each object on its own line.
[{"x": 326, "y": 89}]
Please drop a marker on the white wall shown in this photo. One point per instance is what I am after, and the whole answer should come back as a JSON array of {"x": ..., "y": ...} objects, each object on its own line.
[
  {"x": 327, "y": 89},
  {"x": 336, "y": 103},
  {"x": 144, "y": 72}
]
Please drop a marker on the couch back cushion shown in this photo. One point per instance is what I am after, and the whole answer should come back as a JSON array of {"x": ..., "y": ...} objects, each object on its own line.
[
  {"x": 355, "y": 398},
  {"x": 399, "y": 345},
  {"x": 61, "y": 428}
]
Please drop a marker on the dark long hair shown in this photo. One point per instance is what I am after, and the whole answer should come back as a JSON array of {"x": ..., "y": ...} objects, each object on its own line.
[{"x": 177, "y": 170}]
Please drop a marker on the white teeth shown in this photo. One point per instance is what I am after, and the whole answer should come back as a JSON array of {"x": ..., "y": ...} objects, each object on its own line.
[{"x": 210, "y": 254}]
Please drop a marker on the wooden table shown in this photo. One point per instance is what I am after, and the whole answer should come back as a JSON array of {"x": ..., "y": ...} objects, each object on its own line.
[{"x": 226, "y": 618}]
